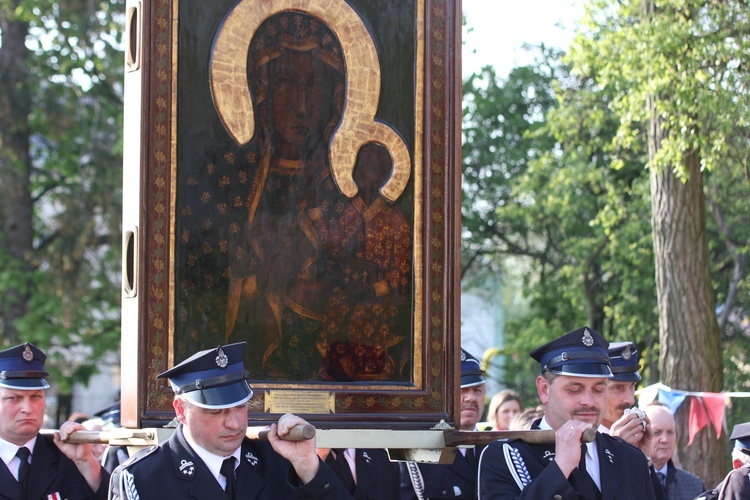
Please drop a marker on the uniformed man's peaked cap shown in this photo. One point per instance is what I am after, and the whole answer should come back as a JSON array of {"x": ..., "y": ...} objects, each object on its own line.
[
  {"x": 623, "y": 357},
  {"x": 580, "y": 353},
  {"x": 22, "y": 367},
  {"x": 741, "y": 435},
  {"x": 214, "y": 378},
  {"x": 471, "y": 371}
]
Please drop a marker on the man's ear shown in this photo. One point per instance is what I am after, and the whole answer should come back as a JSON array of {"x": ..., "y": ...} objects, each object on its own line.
[
  {"x": 179, "y": 409},
  {"x": 542, "y": 388},
  {"x": 737, "y": 463}
]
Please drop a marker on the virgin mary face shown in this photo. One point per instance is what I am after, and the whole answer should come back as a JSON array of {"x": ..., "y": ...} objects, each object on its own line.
[{"x": 301, "y": 93}]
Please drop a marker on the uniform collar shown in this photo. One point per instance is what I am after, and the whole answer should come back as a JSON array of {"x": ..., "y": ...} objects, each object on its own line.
[
  {"x": 213, "y": 462},
  {"x": 8, "y": 450},
  {"x": 544, "y": 425}
]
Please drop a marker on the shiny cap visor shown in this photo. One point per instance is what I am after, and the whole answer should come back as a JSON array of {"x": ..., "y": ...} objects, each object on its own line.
[
  {"x": 222, "y": 396},
  {"x": 626, "y": 376},
  {"x": 590, "y": 370},
  {"x": 742, "y": 445},
  {"x": 472, "y": 380},
  {"x": 25, "y": 384}
]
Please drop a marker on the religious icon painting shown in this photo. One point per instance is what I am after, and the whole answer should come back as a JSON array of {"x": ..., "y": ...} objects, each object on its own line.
[{"x": 297, "y": 188}]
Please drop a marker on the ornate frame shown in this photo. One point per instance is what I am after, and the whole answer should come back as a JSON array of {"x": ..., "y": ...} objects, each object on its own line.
[{"x": 160, "y": 52}]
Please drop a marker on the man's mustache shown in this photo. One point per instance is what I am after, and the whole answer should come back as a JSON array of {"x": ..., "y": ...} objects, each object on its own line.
[
  {"x": 470, "y": 406},
  {"x": 586, "y": 409}
]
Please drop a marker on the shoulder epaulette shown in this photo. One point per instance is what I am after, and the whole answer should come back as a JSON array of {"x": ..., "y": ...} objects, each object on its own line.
[{"x": 139, "y": 456}]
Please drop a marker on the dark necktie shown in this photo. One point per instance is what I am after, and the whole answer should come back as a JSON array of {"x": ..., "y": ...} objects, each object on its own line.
[
  {"x": 662, "y": 480},
  {"x": 588, "y": 485},
  {"x": 227, "y": 470},
  {"x": 343, "y": 470},
  {"x": 582, "y": 462},
  {"x": 23, "y": 470}
]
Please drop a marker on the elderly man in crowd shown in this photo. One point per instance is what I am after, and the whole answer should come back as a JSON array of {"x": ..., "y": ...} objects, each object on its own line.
[
  {"x": 678, "y": 484},
  {"x": 33, "y": 466},
  {"x": 572, "y": 385}
]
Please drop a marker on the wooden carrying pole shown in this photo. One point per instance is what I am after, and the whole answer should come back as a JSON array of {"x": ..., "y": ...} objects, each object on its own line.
[
  {"x": 359, "y": 437},
  {"x": 533, "y": 436},
  {"x": 115, "y": 436}
]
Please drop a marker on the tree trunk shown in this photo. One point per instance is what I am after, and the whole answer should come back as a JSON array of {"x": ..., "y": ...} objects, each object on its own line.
[
  {"x": 691, "y": 358},
  {"x": 16, "y": 229}
]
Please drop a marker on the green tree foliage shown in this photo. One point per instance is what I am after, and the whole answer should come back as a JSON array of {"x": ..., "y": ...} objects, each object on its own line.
[
  {"x": 552, "y": 196},
  {"x": 61, "y": 171},
  {"x": 664, "y": 87},
  {"x": 677, "y": 70},
  {"x": 497, "y": 147}
]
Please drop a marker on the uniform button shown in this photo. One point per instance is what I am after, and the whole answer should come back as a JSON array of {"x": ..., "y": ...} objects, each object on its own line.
[
  {"x": 327, "y": 486},
  {"x": 558, "y": 497},
  {"x": 445, "y": 493}
]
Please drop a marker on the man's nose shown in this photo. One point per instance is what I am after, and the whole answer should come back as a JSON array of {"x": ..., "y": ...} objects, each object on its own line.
[
  {"x": 232, "y": 419},
  {"x": 588, "y": 398}
]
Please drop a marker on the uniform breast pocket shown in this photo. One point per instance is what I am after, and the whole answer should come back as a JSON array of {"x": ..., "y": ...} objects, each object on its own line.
[
  {"x": 68, "y": 492},
  {"x": 446, "y": 490}
]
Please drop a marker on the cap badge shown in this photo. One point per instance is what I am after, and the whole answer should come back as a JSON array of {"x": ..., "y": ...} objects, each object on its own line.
[
  {"x": 186, "y": 467},
  {"x": 587, "y": 339},
  {"x": 626, "y": 354},
  {"x": 221, "y": 359},
  {"x": 27, "y": 354},
  {"x": 252, "y": 459}
]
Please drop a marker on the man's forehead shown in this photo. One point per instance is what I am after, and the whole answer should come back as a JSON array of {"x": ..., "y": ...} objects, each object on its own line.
[
  {"x": 473, "y": 388},
  {"x": 569, "y": 381},
  {"x": 6, "y": 391},
  {"x": 660, "y": 416},
  {"x": 211, "y": 411},
  {"x": 618, "y": 384}
]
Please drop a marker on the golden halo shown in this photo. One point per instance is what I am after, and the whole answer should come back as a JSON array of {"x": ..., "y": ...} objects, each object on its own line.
[{"x": 358, "y": 126}]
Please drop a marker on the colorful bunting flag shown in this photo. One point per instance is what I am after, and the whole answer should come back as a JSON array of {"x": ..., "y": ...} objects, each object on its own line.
[{"x": 671, "y": 399}]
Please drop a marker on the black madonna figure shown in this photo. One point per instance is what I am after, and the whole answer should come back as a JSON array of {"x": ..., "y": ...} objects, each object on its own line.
[
  {"x": 281, "y": 271},
  {"x": 317, "y": 282}
]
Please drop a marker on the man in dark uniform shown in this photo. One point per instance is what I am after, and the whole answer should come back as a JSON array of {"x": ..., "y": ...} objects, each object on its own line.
[
  {"x": 573, "y": 388},
  {"x": 736, "y": 485},
  {"x": 209, "y": 457},
  {"x": 367, "y": 474},
  {"x": 37, "y": 466},
  {"x": 619, "y": 419},
  {"x": 456, "y": 480}
]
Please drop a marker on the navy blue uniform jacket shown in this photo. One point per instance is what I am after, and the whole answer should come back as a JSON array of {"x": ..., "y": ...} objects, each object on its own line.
[
  {"x": 174, "y": 470},
  {"x": 623, "y": 469},
  {"x": 51, "y": 472},
  {"x": 377, "y": 476},
  {"x": 456, "y": 480}
]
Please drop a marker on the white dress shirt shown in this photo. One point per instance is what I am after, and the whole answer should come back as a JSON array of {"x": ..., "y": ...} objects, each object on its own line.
[
  {"x": 213, "y": 462},
  {"x": 8, "y": 454}
]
